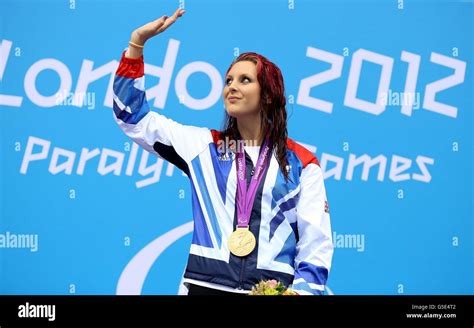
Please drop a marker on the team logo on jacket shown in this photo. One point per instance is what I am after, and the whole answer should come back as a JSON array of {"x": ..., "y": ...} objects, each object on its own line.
[
  {"x": 326, "y": 206},
  {"x": 229, "y": 156}
]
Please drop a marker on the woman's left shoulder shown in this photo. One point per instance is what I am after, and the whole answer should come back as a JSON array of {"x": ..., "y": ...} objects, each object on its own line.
[{"x": 302, "y": 153}]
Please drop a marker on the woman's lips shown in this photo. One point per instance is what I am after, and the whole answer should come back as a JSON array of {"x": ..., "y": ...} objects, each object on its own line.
[{"x": 233, "y": 99}]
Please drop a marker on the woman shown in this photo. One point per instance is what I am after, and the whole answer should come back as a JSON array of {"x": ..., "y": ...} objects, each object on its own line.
[{"x": 259, "y": 203}]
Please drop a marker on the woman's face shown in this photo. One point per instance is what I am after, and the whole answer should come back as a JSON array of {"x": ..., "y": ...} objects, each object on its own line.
[{"x": 242, "y": 90}]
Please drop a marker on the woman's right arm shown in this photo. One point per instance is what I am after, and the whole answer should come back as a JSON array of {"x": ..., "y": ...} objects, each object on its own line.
[
  {"x": 134, "y": 52},
  {"x": 174, "y": 142}
]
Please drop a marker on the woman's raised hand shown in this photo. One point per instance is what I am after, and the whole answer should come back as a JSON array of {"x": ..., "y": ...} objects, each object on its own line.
[{"x": 149, "y": 30}]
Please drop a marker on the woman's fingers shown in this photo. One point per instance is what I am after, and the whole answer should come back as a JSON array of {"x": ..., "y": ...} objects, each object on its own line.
[
  {"x": 158, "y": 26},
  {"x": 159, "y": 22},
  {"x": 169, "y": 21},
  {"x": 178, "y": 12}
]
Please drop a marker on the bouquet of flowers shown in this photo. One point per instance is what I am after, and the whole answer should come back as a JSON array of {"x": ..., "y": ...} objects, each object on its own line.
[{"x": 271, "y": 287}]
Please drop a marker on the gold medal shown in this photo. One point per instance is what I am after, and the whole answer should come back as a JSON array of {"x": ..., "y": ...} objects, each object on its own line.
[{"x": 241, "y": 242}]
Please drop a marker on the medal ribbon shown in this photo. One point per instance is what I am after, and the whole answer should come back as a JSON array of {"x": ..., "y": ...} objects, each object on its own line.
[{"x": 246, "y": 197}]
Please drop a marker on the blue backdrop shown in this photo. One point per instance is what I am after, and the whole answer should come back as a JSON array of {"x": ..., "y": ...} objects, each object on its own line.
[{"x": 380, "y": 91}]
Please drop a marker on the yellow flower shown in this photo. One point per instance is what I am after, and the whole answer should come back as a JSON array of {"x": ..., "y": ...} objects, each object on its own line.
[{"x": 270, "y": 292}]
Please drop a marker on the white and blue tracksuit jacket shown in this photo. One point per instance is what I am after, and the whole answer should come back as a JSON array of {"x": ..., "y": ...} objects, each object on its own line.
[{"x": 290, "y": 220}]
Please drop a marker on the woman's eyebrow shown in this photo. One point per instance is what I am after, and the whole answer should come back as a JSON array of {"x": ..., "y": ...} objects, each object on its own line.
[{"x": 243, "y": 74}]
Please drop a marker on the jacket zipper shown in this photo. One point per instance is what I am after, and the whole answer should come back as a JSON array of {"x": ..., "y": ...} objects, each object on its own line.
[{"x": 241, "y": 273}]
